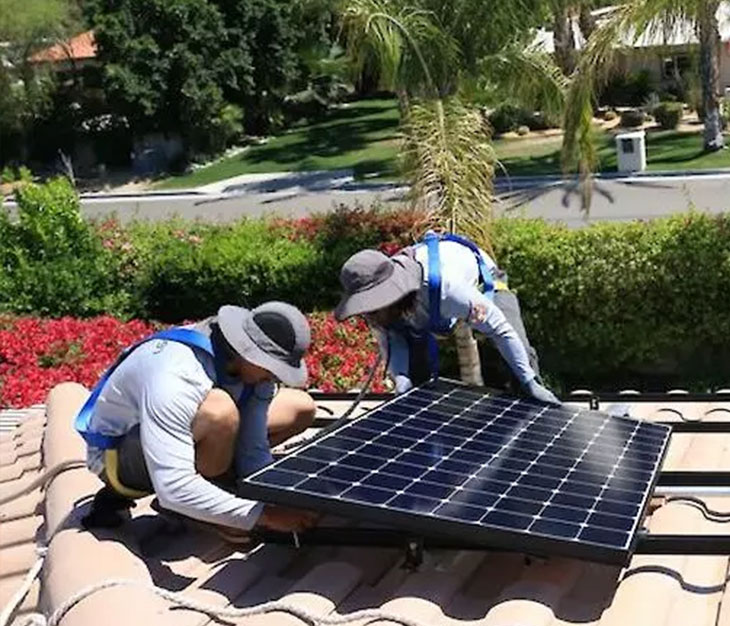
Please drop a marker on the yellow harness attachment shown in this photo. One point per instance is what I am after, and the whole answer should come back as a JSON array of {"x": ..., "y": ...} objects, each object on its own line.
[{"x": 111, "y": 469}]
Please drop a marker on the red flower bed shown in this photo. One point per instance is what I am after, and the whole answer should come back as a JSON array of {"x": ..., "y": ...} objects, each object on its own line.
[
  {"x": 36, "y": 354},
  {"x": 342, "y": 354}
]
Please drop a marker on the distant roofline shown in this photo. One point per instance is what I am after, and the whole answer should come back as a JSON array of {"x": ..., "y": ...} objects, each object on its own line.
[{"x": 79, "y": 48}]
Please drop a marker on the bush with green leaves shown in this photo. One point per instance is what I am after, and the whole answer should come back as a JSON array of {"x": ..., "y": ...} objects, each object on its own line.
[
  {"x": 506, "y": 118},
  {"x": 7, "y": 175},
  {"x": 52, "y": 261},
  {"x": 668, "y": 114},
  {"x": 639, "y": 305},
  {"x": 188, "y": 272},
  {"x": 178, "y": 270},
  {"x": 628, "y": 89},
  {"x": 631, "y": 118}
]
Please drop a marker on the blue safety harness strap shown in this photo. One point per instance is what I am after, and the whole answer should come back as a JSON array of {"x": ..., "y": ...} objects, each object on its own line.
[
  {"x": 485, "y": 275},
  {"x": 187, "y": 336},
  {"x": 438, "y": 325}
]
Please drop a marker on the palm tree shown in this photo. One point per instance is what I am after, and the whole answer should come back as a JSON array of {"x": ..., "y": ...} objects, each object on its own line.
[
  {"x": 709, "y": 35},
  {"x": 627, "y": 23},
  {"x": 423, "y": 51}
]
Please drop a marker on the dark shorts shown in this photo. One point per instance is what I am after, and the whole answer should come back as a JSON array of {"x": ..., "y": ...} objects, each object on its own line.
[
  {"x": 495, "y": 370},
  {"x": 131, "y": 468},
  {"x": 132, "y": 473}
]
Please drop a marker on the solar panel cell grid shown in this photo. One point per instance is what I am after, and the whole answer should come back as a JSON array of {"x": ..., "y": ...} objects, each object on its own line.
[{"x": 517, "y": 473}]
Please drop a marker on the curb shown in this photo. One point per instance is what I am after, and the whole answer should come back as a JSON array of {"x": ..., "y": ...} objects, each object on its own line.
[{"x": 520, "y": 182}]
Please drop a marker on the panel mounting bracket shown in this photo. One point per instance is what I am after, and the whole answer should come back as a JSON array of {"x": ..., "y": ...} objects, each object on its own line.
[{"x": 413, "y": 553}]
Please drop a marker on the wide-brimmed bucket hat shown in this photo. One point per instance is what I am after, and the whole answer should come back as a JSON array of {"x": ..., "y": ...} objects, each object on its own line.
[
  {"x": 274, "y": 336},
  {"x": 371, "y": 281}
]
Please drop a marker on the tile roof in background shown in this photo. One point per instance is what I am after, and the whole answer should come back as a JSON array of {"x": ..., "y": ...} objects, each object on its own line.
[
  {"x": 450, "y": 589},
  {"x": 80, "y": 47}
]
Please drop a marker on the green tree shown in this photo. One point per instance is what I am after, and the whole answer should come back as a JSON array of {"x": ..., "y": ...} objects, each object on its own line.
[
  {"x": 163, "y": 66},
  {"x": 261, "y": 51},
  {"x": 427, "y": 51},
  {"x": 26, "y": 88}
]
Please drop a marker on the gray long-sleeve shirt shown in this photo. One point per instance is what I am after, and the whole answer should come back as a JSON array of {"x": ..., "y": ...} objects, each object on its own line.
[
  {"x": 461, "y": 299},
  {"x": 160, "y": 386}
]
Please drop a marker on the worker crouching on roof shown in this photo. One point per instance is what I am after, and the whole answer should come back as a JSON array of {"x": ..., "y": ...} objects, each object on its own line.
[
  {"x": 190, "y": 405},
  {"x": 421, "y": 292}
]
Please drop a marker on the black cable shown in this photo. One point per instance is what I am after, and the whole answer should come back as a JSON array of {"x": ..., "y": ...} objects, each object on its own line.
[
  {"x": 340, "y": 420},
  {"x": 700, "y": 503}
]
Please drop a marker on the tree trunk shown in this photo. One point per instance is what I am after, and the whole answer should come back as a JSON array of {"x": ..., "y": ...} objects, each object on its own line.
[
  {"x": 468, "y": 353},
  {"x": 563, "y": 38},
  {"x": 586, "y": 21},
  {"x": 709, "y": 72}
]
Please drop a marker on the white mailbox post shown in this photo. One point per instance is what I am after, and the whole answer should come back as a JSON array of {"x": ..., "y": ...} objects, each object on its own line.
[{"x": 631, "y": 150}]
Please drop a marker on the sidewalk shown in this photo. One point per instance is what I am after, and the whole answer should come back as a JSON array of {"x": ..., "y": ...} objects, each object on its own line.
[{"x": 290, "y": 182}]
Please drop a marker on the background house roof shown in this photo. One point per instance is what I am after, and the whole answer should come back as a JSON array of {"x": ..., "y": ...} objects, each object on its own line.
[
  {"x": 681, "y": 33},
  {"x": 80, "y": 47}
]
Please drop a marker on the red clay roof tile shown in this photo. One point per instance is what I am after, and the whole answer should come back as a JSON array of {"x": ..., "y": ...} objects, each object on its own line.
[
  {"x": 82, "y": 46},
  {"x": 451, "y": 588}
]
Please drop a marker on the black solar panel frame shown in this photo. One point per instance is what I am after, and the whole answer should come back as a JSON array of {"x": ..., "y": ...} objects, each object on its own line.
[{"x": 491, "y": 537}]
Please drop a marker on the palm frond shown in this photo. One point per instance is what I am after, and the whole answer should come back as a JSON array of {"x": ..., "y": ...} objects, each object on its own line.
[
  {"x": 528, "y": 75},
  {"x": 626, "y": 24},
  {"x": 450, "y": 166},
  {"x": 367, "y": 37},
  {"x": 403, "y": 40}
]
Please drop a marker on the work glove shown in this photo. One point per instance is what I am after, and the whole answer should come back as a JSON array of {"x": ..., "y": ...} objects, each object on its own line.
[
  {"x": 402, "y": 384},
  {"x": 541, "y": 393}
]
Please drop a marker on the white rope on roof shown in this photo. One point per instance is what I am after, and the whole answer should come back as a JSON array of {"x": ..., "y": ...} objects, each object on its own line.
[
  {"x": 42, "y": 480},
  {"x": 12, "y": 606},
  {"x": 38, "y": 619},
  {"x": 232, "y": 613}
]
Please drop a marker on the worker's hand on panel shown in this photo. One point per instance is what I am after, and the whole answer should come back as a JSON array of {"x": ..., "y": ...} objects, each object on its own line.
[{"x": 541, "y": 393}]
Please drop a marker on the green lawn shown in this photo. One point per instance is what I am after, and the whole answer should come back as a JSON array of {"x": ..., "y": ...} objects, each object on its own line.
[
  {"x": 666, "y": 150},
  {"x": 362, "y": 135}
]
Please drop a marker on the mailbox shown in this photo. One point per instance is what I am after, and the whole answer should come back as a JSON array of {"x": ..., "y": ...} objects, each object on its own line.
[{"x": 631, "y": 151}]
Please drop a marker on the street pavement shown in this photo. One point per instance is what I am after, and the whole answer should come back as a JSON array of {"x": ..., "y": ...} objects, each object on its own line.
[
  {"x": 618, "y": 198},
  {"x": 614, "y": 198}
]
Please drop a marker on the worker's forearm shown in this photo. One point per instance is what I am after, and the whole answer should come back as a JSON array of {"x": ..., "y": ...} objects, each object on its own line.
[
  {"x": 487, "y": 318},
  {"x": 195, "y": 497}
]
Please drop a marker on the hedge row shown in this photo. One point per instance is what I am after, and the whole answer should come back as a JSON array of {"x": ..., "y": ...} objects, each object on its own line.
[
  {"x": 645, "y": 304},
  {"x": 614, "y": 305}
]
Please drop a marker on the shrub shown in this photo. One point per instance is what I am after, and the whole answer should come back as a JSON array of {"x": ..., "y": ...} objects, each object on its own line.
[
  {"x": 506, "y": 118},
  {"x": 8, "y": 175},
  {"x": 52, "y": 260},
  {"x": 178, "y": 270},
  {"x": 628, "y": 89},
  {"x": 611, "y": 305},
  {"x": 509, "y": 117},
  {"x": 668, "y": 114},
  {"x": 24, "y": 174},
  {"x": 539, "y": 121},
  {"x": 631, "y": 118},
  {"x": 625, "y": 305}
]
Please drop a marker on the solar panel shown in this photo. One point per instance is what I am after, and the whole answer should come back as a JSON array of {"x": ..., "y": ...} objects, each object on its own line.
[{"x": 445, "y": 459}]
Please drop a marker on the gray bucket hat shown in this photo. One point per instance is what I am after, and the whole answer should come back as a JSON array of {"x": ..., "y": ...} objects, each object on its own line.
[
  {"x": 371, "y": 281},
  {"x": 274, "y": 336}
]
